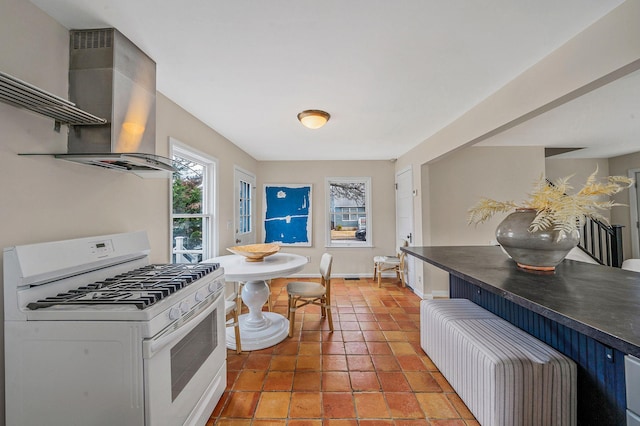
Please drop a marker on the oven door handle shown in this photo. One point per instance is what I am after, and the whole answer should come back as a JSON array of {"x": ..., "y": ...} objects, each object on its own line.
[{"x": 180, "y": 329}]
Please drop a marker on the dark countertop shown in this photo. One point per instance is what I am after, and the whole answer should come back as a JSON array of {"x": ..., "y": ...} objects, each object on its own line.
[{"x": 598, "y": 301}]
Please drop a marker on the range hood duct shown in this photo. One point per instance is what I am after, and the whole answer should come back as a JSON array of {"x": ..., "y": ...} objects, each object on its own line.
[{"x": 111, "y": 77}]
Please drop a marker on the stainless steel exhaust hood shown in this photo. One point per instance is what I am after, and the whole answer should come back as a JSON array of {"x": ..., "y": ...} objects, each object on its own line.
[
  {"x": 111, "y": 77},
  {"x": 143, "y": 165}
]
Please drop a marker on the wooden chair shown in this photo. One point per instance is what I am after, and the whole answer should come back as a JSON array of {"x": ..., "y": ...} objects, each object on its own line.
[
  {"x": 232, "y": 307},
  {"x": 390, "y": 263},
  {"x": 304, "y": 293}
]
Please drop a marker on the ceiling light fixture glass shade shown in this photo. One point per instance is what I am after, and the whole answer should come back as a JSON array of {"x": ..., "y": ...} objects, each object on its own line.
[{"x": 313, "y": 118}]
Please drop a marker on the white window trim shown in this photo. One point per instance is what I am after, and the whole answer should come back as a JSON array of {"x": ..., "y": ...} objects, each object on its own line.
[
  {"x": 633, "y": 214},
  {"x": 253, "y": 221},
  {"x": 327, "y": 225},
  {"x": 210, "y": 200}
]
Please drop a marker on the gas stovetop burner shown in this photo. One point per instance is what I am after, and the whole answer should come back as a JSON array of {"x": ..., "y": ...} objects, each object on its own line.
[{"x": 140, "y": 287}]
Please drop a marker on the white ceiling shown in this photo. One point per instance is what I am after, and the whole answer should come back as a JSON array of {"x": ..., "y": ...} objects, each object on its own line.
[
  {"x": 390, "y": 73},
  {"x": 603, "y": 123}
]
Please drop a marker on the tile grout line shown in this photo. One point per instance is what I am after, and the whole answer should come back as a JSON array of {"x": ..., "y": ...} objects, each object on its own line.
[{"x": 394, "y": 305}]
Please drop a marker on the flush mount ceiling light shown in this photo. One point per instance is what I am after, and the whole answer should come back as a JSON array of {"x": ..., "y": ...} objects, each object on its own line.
[{"x": 313, "y": 118}]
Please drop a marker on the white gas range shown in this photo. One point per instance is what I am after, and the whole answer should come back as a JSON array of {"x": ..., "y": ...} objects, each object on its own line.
[{"x": 95, "y": 335}]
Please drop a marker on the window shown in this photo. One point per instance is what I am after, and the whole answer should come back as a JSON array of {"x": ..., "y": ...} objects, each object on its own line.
[
  {"x": 244, "y": 215},
  {"x": 244, "y": 206},
  {"x": 192, "y": 213},
  {"x": 349, "y": 212}
]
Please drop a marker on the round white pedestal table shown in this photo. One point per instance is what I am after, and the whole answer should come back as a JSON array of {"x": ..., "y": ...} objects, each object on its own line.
[{"x": 258, "y": 330}]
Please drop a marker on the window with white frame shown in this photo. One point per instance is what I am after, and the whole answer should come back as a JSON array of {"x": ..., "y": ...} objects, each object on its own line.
[
  {"x": 244, "y": 214},
  {"x": 193, "y": 229},
  {"x": 349, "y": 211}
]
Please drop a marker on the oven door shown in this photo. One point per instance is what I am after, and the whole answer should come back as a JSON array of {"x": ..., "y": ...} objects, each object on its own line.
[{"x": 185, "y": 367}]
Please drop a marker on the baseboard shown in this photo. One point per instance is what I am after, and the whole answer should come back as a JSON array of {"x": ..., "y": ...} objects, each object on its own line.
[
  {"x": 417, "y": 292},
  {"x": 420, "y": 294},
  {"x": 437, "y": 294},
  {"x": 363, "y": 275}
]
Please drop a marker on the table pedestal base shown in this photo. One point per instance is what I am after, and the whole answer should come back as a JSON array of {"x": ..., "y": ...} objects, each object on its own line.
[
  {"x": 258, "y": 330},
  {"x": 274, "y": 330}
]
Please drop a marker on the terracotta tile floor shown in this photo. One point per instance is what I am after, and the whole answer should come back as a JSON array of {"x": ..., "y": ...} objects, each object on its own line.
[{"x": 369, "y": 371}]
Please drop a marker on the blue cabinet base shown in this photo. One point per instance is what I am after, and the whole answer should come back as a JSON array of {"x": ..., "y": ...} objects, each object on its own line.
[{"x": 601, "y": 381}]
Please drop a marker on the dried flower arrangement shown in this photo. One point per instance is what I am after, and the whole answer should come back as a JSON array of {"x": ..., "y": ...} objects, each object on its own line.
[{"x": 556, "y": 209}]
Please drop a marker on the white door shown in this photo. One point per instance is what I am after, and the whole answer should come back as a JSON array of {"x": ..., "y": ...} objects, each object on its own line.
[
  {"x": 245, "y": 209},
  {"x": 634, "y": 207},
  {"x": 404, "y": 216}
]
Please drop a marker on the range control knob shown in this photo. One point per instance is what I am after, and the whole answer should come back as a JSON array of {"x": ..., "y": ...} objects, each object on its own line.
[
  {"x": 213, "y": 286},
  {"x": 174, "y": 313},
  {"x": 184, "y": 307},
  {"x": 199, "y": 296}
]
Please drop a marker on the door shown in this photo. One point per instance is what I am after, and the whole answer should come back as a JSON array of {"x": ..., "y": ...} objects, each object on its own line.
[
  {"x": 404, "y": 216},
  {"x": 634, "y": 207},
  {"x": 244, "y": 216}
]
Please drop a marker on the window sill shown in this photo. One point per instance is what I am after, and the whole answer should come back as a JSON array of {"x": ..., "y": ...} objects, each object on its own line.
[{"x": 349, "y": 245}]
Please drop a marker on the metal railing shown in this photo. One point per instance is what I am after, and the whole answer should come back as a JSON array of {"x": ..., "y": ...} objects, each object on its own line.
[
  {"x": 183, "y": 255},
  {"x": 24, "y": 95}
]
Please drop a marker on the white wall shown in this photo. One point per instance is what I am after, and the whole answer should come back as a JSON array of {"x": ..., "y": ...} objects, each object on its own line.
[
  {"x": 44, "y": 199},
  {"x": 621, "y": 215},
  {"x": 456, "y": 182},
  {"x": 615, "y": 166},
  {"x": 346, "y": 261},
  {"x": 607, "y": 50},
  {"x": 579, "y": 169},
  {"x": 460, "y": 180},
  {"x": 176, "y": 123},
  {"x": 48, "y": 199}
]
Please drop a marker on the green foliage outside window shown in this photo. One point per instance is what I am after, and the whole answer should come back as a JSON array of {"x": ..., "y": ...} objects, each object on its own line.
[{"x": 187, "y": 199}]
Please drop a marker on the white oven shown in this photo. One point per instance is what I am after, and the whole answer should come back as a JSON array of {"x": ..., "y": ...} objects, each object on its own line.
[
  {"x": 179, "y": 366},
  {"x": 94, "y": 335}
]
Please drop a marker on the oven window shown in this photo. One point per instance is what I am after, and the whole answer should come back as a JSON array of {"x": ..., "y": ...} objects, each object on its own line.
[{"x": 188, "y": 355}]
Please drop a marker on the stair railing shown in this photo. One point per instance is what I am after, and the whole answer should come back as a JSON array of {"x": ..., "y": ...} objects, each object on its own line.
[{"x": 602, "y": 242}]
